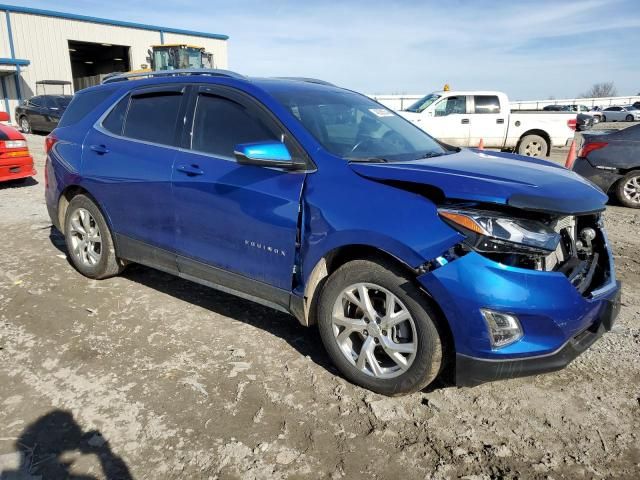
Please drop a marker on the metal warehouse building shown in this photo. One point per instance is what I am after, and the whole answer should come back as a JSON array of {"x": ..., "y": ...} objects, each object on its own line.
[{"x": 38, "y": 45}]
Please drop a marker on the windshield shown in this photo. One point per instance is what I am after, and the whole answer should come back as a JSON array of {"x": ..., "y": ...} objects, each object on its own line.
[
  {"x": 355, "y": 127},
  {"x": 423, "y": 103}
]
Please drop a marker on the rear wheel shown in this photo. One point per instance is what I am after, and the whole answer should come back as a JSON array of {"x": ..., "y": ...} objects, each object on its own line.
[
  {"x": 25, "y": 125},
  {"x": 628, "y": 189},
  {"x": 89, "y": 240},
  {"x": 379, "y": 329},
  {"x": 533, "y": 146}
]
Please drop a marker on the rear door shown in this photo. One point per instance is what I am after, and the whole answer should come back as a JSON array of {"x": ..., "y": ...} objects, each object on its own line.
[
  {"x": 231, "y": 217},
  {"x": 449, "y": 121},
  {"x": 128, "y": 161},
  {"x": 488, "y": 121}
]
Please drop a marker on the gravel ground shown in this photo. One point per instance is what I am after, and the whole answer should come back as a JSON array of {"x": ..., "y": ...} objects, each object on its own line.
[{"x": 148, "y": 376}]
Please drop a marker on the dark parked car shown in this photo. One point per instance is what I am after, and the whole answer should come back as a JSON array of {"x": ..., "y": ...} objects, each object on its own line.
[
  {"x": 584, "y": 122},
  {"x": 611, "y": 160},
  {"x": 557, "y": 108},
  {"x": 41, "y": 113}
]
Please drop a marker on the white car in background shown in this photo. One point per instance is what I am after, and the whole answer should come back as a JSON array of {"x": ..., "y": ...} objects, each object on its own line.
[
  {"x": 463, "y": 119},
  {"x": 628, "y": 113}
]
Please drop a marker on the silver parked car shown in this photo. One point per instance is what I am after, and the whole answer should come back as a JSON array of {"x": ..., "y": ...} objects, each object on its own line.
[{"x": 621, "y": 114}]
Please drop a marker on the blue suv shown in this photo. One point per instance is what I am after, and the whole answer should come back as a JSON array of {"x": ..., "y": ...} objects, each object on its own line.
[{"x": 415, "y": 259}]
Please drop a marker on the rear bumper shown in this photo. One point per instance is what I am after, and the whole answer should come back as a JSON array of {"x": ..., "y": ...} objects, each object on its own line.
[
  {"x": 471, "y": 371},
  {"x": 16, "y": 168},
  {"x": 602, "y": 178}
]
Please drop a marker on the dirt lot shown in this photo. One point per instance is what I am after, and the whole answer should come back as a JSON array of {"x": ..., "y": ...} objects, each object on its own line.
[{"x": 148, "y": 376}]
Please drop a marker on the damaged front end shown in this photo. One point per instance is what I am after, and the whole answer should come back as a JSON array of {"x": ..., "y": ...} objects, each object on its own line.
[{"x": 575, "y": 246}]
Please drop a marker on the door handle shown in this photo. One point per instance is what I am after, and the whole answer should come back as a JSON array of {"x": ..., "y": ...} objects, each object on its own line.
[
  {"x": 99, "y": 149},
  {"x": 500, "y": 120},
  {"x": 191, "y": 170},
  {"x": 464, "y": 120}
]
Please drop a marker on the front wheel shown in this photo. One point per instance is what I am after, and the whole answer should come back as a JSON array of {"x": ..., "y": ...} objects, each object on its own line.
[
  {"x": 629, "y": 118},
  {"x": 628, "y": 189},
  {"x": 379, "y": 329},
  {"x": 533, "y": 146}
]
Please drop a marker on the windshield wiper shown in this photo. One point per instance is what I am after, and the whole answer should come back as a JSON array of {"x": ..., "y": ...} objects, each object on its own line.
[
  {"x": 435, "y": 154},
  {"x": 368, "y": 160}
]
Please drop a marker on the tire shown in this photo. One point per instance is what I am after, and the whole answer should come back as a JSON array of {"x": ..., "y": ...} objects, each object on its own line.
[
  {"x": 629, "y": 118},
  {"x": 533, "y": 146},
  {"x": 423, "y": 348},
  {"x": 94, "y": 259},
  {"x": 25, "y": 124},
  {"x": 596, "y": 119},
  {"x": 604, "y": 118},
  {"x": 628, "y": 189}
]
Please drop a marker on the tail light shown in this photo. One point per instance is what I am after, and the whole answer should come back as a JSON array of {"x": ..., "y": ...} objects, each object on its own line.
[
  {"x": 572, "y": 124},
  {"x": 13, "y": 148},
  {"x": 49, "y": 142},
  {"x": 590, "y": 147}
]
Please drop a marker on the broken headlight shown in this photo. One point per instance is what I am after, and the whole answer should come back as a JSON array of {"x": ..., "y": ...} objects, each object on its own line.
[{"x": 491, "y": 232}]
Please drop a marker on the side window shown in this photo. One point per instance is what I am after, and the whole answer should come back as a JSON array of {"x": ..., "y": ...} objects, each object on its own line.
[
  {"x": 220, "y": 124},
  {"x": 486, "y": 104},
  {"x": 450, "y": 106},
  {"x": 35, "y": 102},
  {"x": 82, "y": 104},
  {"x": 114, "y": 122},
  {"x": 153, "y": 117}
]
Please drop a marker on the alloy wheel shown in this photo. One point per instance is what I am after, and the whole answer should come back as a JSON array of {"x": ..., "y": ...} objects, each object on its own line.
[
  {"x": 24, "y": 125},
  {"x": 631, "y": 189},
  {"x": 86, "y": 242},
  {"x": 374, "y": 330}
]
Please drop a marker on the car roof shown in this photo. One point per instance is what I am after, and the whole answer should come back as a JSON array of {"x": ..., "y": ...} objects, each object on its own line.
[{"x": 201, "y": 76}]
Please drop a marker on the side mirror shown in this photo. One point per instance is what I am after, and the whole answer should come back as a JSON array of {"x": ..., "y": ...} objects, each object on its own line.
[
  {"x": 266, "y": 154},
  {"x": 4, "y": 117}
]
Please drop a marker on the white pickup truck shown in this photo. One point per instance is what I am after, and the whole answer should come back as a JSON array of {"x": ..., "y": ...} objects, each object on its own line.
[{"x": 464, "y": 118}]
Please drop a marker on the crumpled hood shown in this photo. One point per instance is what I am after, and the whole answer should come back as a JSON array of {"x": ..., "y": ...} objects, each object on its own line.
[{"x": 496, "y": 177}]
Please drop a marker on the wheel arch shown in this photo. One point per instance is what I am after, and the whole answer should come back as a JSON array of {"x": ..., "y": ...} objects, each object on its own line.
[
  {"x": 64, "y": 200},
  {"x": 540, "y": 133},
  {"x": 339, "y": 256}
]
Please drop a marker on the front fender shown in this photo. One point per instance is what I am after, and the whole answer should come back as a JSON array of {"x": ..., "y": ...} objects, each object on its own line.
[{"x": 341, "y": 208}]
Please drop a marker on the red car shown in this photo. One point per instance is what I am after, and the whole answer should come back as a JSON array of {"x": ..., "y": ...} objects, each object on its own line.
[{"x": 15, "y": 161}]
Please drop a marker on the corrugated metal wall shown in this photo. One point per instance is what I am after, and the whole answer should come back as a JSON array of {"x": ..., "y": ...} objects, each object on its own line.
[{"x": 44, "y": 41}]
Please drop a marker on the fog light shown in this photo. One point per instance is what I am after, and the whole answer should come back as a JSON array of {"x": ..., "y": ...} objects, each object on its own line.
[{"x": 504, "y": 329}]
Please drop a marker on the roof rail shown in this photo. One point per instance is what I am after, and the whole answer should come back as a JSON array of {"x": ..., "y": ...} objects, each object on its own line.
[
  {"x": 308, "y": 80},
  {"x": 173, "y": 73}
]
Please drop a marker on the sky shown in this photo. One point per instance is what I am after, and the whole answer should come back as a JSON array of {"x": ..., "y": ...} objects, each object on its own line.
[{"x": 528, "y": 49}]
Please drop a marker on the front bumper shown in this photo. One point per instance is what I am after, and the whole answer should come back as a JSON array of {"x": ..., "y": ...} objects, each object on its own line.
[
  {"x": 602, "y": 178},
  {"x": 472, "y": 371},
  {"x": 554, "y": 316},
  {"x": 16, "y": 168}
]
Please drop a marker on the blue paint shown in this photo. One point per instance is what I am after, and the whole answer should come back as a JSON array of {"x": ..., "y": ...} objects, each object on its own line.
[
  {"x": 265, "y": 151},
  {"x": 273, "y": 226},
  {"x": 5, "y": 94},
  {"x": 14, "y": 61},
  {"x": 104, "y": 21},
  {"x": 13, "y": 56}
]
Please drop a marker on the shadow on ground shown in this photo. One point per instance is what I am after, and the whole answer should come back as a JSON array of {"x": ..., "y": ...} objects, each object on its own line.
[{"x": 47, "y": 446}]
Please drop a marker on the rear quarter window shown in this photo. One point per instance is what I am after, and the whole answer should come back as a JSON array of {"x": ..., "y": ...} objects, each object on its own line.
[
  {"x": 486, "y": 104},
  {"x": 83, "y": 104}
]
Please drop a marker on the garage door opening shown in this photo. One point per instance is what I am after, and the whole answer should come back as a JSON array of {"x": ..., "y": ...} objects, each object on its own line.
[{"x": 91, "y": 62}]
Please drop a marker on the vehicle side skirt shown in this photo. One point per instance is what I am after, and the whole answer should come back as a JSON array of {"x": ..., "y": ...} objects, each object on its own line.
[{"x": 204, "y": 274}]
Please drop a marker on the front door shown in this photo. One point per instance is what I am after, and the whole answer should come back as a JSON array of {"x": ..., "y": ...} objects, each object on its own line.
[
  {"x": 230, "y": 217},
  {"x": 448, "y": 121}
]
